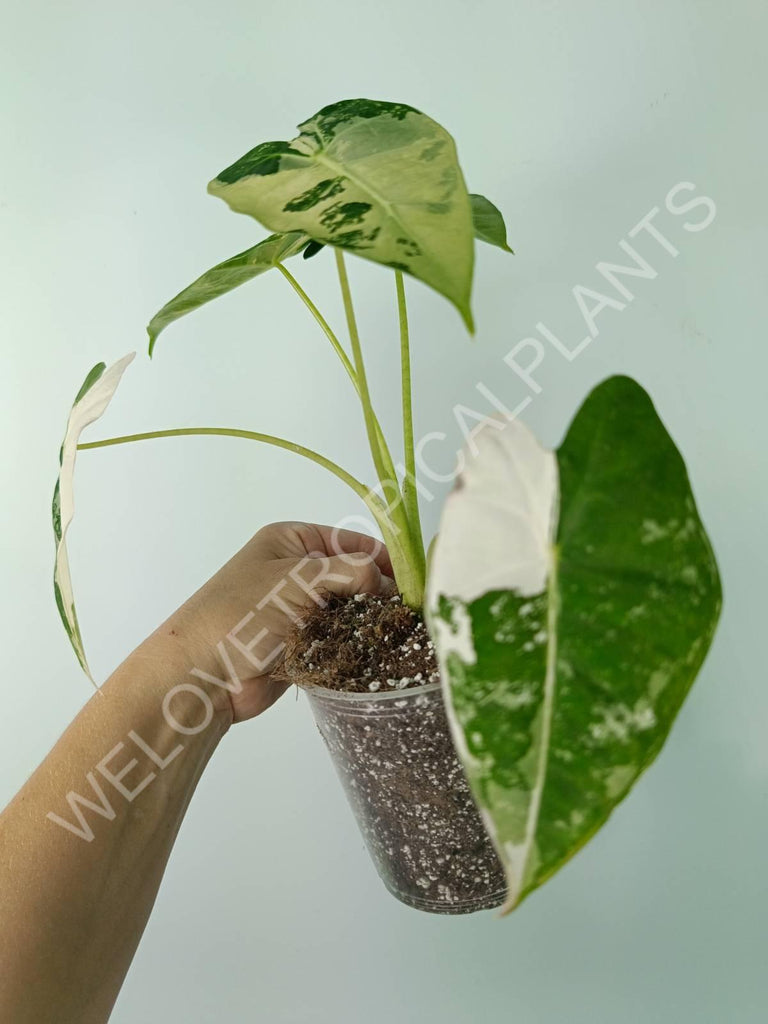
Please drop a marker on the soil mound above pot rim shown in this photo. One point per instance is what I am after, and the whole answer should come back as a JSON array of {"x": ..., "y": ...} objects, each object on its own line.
[{"x": 366, "y": 644}]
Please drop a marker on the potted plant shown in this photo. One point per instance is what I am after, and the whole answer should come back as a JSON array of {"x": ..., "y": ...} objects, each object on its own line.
[{"x": 487, "y": 718}]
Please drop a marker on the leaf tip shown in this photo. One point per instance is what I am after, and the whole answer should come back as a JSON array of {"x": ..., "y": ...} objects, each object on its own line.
[
  {"x": 469, "y": 320},
  {"x": 214, "y": 188},
  {"x": 509, "y": 904}
]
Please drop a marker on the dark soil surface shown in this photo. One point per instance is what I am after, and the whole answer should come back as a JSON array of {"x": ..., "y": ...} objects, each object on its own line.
[{"x": 361, "y": 645}]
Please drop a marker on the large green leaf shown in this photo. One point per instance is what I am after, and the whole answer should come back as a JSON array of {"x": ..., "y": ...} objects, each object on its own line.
[
  {"x": 380, "y": 179},
  {"x": 224, "y": 277},
  {"x": 573, "y": 597},
  {"x": 90, "y": 403}
]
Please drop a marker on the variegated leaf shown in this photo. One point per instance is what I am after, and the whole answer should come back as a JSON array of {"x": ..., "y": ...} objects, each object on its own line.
[
  {"x": 91, "y": 401},
  {"x": 488, "y": 222},
  {"x": 224, "y": 277},
  {"x": 573, "y": 598},
  {"x": 379, "y": 179}
]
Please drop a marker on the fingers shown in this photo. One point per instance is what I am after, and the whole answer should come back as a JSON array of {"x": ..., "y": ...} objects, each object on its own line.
[
  {"x": 295, "y": 540},
  {"x": 338, "y": 575},
  {"x": 349, "y": 542}
]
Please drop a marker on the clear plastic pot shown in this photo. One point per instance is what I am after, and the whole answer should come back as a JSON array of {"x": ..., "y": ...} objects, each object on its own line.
[{"x": 394, "y": 756}]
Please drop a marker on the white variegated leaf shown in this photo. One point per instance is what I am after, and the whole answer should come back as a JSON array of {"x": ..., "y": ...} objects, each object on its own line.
[
  {"x": 572, "y": 598},
  {"x": 380, "y": 179},
  {"x": 91, "y": 401}
]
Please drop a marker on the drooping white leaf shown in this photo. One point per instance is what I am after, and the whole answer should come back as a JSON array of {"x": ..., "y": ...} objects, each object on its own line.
[{"x": 92, "y": 399}]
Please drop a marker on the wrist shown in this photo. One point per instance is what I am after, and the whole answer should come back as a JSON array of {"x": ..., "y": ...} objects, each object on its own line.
[{"x": 175, "y": 673}]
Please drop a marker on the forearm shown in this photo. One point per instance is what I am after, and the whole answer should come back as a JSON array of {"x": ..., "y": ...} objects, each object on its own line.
[{"x": 77, "y": 888}]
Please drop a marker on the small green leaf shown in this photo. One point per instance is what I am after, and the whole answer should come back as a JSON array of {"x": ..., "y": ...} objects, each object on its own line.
[
  {"x": 488, "y": 222},
  {"x": 312, "y": 249},
  {"x": 379, "y": 179},
  {"x": 573, "y": 598},
  {"x": 224, "y": 277},
  {"x": 91, "y": 401}
]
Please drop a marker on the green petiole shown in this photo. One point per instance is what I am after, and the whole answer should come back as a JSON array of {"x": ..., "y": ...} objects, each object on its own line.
[
  {"x": 412, "y": 581},
  {"x": 391, "y": 534}
]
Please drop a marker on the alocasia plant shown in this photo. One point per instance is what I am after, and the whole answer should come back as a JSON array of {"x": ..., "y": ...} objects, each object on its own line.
[
  {"x": 381, "y": 180},
  {"x": 573, "y": 594}
]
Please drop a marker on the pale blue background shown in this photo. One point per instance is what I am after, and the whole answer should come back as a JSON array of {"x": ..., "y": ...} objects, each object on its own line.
[{"x": 576, "y": 118}]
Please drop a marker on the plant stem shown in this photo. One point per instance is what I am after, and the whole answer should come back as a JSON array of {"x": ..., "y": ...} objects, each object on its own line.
[
  {"x": 382, "y": 470},
  {"x": 374, "y": 503},
  {"x": 410, "y": 495},
  {"x": 357, "y": 486},
  {"x": 411, "y": 582},
  {"x": 338, "y": 349},
  {"x": 322, "y": 322}
]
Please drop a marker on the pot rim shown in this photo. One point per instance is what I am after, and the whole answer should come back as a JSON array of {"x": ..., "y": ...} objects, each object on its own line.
[{"x": 324, "y": 693}]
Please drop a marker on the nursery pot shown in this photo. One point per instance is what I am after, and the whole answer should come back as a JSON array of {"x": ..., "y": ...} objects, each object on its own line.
[{"x": 395, "y": 758}]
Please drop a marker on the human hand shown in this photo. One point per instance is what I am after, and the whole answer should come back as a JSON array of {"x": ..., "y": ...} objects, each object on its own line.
[{"x": 232, "y": 631}]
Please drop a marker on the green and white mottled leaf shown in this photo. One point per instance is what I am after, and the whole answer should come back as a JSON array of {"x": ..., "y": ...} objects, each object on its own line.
[
  {"x": 573, "y": 597},
  {"x": 224, "y": 277},
  {"x": 488, "y": 222},
  {"x": 379, "y": 179},
  {"x": 91, "y": 401}
]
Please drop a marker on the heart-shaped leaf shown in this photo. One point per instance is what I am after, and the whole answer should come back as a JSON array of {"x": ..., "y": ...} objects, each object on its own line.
[
  {"x": 91, "y": 401},
  {"x": 573, "y": 597},
  {"x": 224, "y": 277},
  {"x": 488, "y": 222},
  {"x": 379, "y": 179}
]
